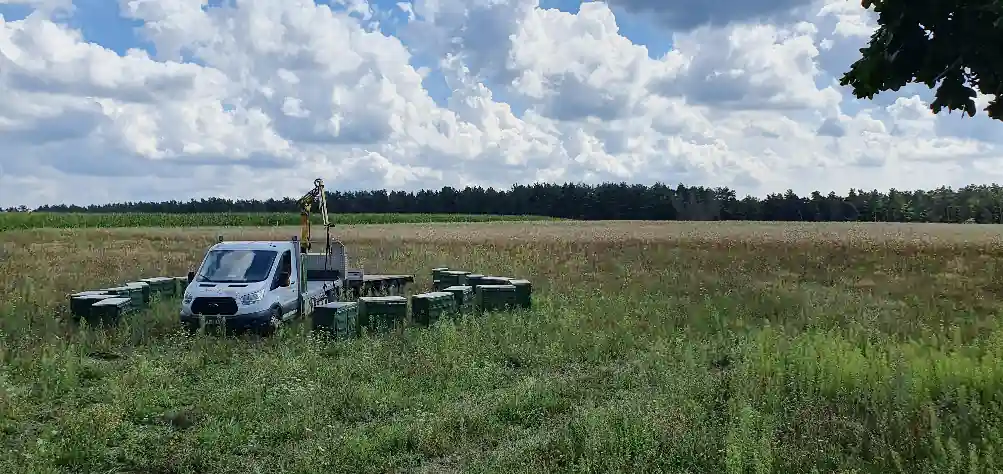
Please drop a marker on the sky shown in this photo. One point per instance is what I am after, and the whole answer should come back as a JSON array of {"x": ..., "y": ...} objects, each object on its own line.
[{"x": 150, "y": 100}]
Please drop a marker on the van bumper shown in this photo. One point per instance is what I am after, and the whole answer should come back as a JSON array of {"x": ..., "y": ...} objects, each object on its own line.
[{"x": 254, "y": 320}]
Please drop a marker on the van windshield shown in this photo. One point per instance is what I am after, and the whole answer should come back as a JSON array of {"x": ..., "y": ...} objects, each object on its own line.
[{"x": 236, "y": 266}]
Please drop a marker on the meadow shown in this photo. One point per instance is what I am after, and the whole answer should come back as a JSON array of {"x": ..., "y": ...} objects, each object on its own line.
[
  {"x": 652, "y": 347},
  {"x": 71, "y": 220}
]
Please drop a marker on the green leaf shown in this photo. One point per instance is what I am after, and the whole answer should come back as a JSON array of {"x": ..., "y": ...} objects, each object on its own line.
[{"x": 955, "y": 51}]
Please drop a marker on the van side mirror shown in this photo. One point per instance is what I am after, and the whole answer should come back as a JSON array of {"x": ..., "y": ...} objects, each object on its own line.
[
  {"x": 191, "y": 276},
  {"x": 284, "y": 279}
]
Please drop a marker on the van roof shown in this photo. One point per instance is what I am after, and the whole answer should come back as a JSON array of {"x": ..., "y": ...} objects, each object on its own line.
[{"x": 253, "y": 245}]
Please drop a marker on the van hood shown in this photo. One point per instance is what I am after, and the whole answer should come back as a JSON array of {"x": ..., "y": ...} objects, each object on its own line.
[{"x": 225, "y": 289}]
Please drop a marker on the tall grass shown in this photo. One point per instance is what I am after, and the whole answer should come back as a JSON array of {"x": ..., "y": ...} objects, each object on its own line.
[
  {"x": 666, "y": 350},
  {"x": 36, "y": 220}
]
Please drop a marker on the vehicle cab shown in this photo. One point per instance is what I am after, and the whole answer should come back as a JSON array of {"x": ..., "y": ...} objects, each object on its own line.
[{"x": 244, "y": 285}]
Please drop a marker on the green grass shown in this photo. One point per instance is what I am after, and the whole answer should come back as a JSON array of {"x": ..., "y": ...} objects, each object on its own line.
[
  {"x": 687, "y": 348},
  {"x": 37, "y": 220}
]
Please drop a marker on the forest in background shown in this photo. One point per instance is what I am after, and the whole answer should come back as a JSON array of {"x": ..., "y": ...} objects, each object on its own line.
[{"x": 615, "y": 201}]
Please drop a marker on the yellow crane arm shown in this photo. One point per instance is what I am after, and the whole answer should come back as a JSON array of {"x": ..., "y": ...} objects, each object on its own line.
[{"x": 306, "y": 205}]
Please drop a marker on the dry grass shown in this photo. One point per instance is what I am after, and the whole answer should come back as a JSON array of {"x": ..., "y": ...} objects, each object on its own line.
[
  {"x": 654, "y": 347},
  {"x": 610, "y": 231}
]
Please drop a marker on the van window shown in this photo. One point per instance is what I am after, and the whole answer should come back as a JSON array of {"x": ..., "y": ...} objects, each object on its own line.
[
  {"x": 285, "y": 264},
  {"x": 236, "y": 266}
]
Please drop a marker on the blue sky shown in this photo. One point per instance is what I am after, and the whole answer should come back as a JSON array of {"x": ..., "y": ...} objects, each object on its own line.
[
  {"x": 99, "y": 22},
  {"x": 738, "y": 104}
]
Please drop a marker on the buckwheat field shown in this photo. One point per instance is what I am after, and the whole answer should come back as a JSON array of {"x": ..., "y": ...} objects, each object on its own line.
[{"x": 651, "y": 347}]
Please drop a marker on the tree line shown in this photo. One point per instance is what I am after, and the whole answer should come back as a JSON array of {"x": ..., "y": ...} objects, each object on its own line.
[{"x": 973, "y": 203}]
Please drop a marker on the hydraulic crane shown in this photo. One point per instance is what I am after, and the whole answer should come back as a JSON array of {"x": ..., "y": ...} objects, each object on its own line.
[{"x": 306, "y": 205}]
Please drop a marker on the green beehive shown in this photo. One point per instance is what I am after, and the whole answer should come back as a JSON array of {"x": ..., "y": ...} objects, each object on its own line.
[
  {"x": 89, "y": 292},
  {"x": 170, "y": 287},
  {"x": 160, "y": 286},
  {"x": 463, "y": 295},
  {"x": 474, "y": 279},
  {"x": 180, "y": 284},
  {"x": 80, "y": 303},
  {"x": 496, "y": 280},
  {"x": 339, "y": 318},
  {"x": 453, "y": 278},
  {"x": 382, "y": 313},
  {"x": 437, "y": 273},
  {"x": 427, "y": 308},
  {"x": 156, "y": 288},
  {"x": 523, "y": 293},
  {"x": 144, "y": 288},
  {"x": 109, "y": 311},
  {"x": 133, "y": 292},
  {"x": 495, "y": 297}
]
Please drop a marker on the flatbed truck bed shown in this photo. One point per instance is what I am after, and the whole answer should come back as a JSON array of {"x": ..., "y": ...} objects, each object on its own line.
[{"x": 376, "y": 284}]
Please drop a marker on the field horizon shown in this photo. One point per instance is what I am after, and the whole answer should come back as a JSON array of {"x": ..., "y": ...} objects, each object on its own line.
[
  {"x": 676, "y": 346},
  {"x": 73, "y": 220}
]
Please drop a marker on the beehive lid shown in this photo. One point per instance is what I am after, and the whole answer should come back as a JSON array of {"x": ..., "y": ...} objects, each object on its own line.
[
  {"x": 520, "y": 282},
  {"x": 495, "y": 278},
  {"x": 113, "y": 302},
  {"x": 383, "y": 299},
  {"x": 338, "y": 305},
  {"x": 435, "y": 294},
  {"x": 497, "y": 287},
  {"x": 96, "y": 297},
  {"x": 88, "y": 293},
  {"x": 463, "y": 288},
  {"x": 160, "y": 283},
  {"x": 456, "y": 272}
]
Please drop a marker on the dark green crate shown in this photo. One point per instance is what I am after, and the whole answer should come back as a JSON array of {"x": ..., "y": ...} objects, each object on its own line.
[
  {"x": 453, "y": 278},
  {"x": 427, "y": 308},
  {"x": 89, "y": 292},
  {"x": 109, "y": 311},
  {"x": 523, "y": 293},
  {"x": 160, "y": 286},
  {"x": 496, "y": 280},
  {"x": 339, "y": 318},
  {"x": 495, "y": 297},
  {"x": 473, "y": 279},
  {"x": 133, "y": 292},
  {"x": 146, "y": 289},
  {"x": 437, "y": 273},
  {"x": 463, "y": 295},
  {"x": 170, "y": 288},
  {"x": 180, "y": 285},
  {"x": 382, "y": 313},
  {"x": 156, "y": 288},
  {"x": 80, "y": 304}
]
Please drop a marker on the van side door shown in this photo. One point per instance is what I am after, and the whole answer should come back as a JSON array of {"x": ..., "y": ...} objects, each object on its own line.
[{"x": 286, "y": 294}]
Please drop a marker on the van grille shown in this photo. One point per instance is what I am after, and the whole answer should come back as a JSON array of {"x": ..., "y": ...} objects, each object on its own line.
[{"x": 214, "y": 305}]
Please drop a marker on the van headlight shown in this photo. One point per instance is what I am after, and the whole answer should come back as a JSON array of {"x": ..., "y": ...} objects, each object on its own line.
[
  {"x": 188, "y": 298},
  {"x": 252, "y": 298}
]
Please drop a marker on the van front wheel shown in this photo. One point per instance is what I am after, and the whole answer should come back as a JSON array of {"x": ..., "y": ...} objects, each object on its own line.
[{"x": 274, "y": 321}]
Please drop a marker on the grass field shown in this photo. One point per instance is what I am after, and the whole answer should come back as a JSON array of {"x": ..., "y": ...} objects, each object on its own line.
[
  {"x": 675, "y": 347},
  {"x": 38, "y": 220}
]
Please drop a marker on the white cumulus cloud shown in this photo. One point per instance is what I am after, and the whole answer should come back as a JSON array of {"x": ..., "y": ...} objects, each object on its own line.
[{"x": 255, "y": 98}]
